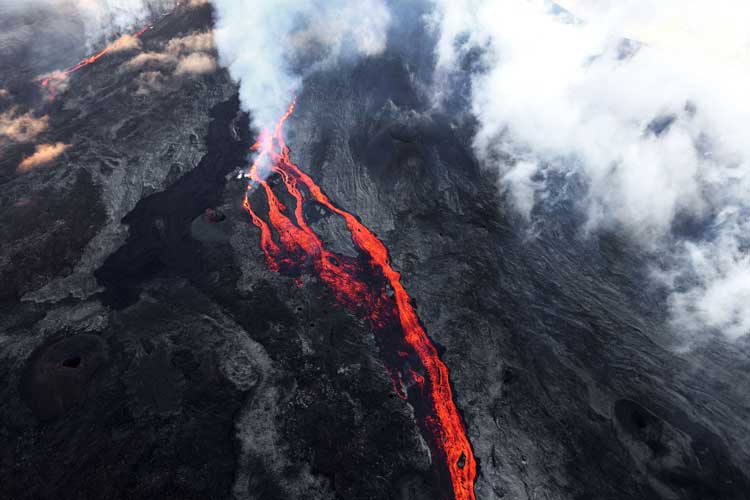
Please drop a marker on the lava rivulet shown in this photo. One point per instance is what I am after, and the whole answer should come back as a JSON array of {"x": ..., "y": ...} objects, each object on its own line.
[
  {"x": 53, "y": 80},
  {"x": 369, "y": 287}
]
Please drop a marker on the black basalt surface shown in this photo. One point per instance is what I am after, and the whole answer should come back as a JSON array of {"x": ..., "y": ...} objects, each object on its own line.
[
  {"x": 187, "y": 370},
  {"x": 139, "y": 411},
  {"x": 159, "y": 226}
]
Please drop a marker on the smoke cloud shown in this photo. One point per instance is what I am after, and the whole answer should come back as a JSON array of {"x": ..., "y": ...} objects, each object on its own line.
[
  {"x": 105, "y": 18},
  {"x": 21, "y": 127},
  {"x": 196, "y": 64},
  {"x": 149, "y": 82},
  {"x": 148, "y": 59},
  {"x": 125, "y": 42},
  {"x": 190, "y": 55},
  {"x": 197, "y": 42},
  {"x": 46, "y": 27},
  {"x": 645, "y": 103},
  {"x": 269, "y": 46},
  {"x": 44, "y": 153}
]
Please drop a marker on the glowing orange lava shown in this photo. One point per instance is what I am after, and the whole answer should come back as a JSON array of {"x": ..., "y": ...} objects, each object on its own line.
[
  {"x": 370, "y": 287},
  {"x": 52, "y": 81}
]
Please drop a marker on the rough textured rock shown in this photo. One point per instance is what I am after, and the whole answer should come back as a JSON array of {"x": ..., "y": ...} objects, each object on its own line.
[
  {"x": 148, "y": 354},
  {"x": 120, "y": 149}
]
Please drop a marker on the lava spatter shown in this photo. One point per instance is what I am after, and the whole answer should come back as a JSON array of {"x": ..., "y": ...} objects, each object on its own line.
[
  {"x": 52, "y": 81},
  {"x": 369, "y": 287}
]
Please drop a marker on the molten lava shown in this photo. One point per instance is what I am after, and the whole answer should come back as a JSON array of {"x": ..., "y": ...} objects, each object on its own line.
[
  {"x": 369, "y": 287},
  {"x": 52, "y": 81}
]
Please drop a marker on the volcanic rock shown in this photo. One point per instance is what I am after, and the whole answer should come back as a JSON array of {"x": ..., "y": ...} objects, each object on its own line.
[{"x": 147, "y": 352}]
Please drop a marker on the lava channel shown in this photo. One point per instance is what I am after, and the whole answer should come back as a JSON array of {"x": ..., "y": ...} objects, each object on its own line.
[
  {"x": 369, "y": 287},
  {"x": 53, "y": 80}
]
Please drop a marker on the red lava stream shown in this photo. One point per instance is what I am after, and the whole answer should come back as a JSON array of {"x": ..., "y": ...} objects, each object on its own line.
[
  {"x": 369, "y": 287},
  {"x": 54, "y": 79}
]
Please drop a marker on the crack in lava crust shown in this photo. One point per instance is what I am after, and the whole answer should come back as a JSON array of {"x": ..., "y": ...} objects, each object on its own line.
[{"x": 369, "y": 287}]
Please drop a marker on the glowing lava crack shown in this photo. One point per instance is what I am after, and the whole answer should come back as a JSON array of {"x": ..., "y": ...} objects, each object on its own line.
[
  {"x": 52, "y": 81},
  {"x": 369, "y": 287}
]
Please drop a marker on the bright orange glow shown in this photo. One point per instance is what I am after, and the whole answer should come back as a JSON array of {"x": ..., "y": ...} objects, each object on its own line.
[
  {"x": 369, "y": 287},
  {"x": 52, "y": 81}
]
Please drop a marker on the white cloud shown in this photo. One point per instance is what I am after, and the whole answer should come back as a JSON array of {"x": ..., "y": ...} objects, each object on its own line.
[
  {"x": 563, "y": 96},
  {"x": 520, "y": 186},
  {"x": 270, "y": 45},
  {"x": 102, "y": 19},
  {"x": 720, "y": 300}
]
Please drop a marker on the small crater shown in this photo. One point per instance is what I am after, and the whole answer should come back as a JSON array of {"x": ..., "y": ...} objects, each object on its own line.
[
  {"x": 644, "y": 427},
  {"x": 73, "y": 362},
  {"x": 57, "y": 374},
  {"x": 639, "y": 420},
  {"x": 634, "y": 418}
]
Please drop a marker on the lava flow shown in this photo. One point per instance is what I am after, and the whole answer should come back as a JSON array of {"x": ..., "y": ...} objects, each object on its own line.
[
  {"x": 52, "y": 81},
  {"x": 369, "y": 287}
]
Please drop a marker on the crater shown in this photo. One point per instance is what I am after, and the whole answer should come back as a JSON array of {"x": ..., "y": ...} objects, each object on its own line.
[
  {"x": 73, "y": 362},
  {"x": 642, "y": 426},
  {"x": 57, "y": 374}
]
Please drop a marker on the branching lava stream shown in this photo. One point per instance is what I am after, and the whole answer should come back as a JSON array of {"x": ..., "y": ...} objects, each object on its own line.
[{"x": 369, "y": 287}]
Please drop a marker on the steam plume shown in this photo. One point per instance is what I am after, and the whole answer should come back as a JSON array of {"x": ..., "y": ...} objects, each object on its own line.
[
  {"x": 47, "y": 26},
  {"x": 657, "y": 131},
  {"x": 269, "y": 46},
  {"x": 104, "y": 18}
]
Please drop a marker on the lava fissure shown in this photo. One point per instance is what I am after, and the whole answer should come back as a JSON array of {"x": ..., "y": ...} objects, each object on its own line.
[
  {"x": 52, "y": 81},
  {"x": 368, "y": 286}
]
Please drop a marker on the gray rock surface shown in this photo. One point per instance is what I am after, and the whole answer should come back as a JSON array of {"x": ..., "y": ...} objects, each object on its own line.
[{"x": 145, "y": 355}]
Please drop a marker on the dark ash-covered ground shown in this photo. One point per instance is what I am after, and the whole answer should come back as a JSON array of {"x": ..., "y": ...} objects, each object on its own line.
[{"x": 148, "y": 353}]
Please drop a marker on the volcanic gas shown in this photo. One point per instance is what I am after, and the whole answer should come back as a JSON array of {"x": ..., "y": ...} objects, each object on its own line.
[{"x": 369, "y": 287}]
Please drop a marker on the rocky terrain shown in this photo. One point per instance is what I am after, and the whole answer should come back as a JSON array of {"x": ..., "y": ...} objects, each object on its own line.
[{"x": 148, "y": 351}]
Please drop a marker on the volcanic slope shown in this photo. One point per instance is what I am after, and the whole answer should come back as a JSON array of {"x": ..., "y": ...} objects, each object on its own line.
[{"x": 148, "y": 361}]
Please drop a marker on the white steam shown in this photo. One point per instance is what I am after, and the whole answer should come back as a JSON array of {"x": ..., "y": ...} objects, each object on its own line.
[
  {"x": 102, "y": 20},
  {"x": 105, "y": 18},
  {"x": 269, "y": 46},
  {"x": 658, "y": 131}
]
